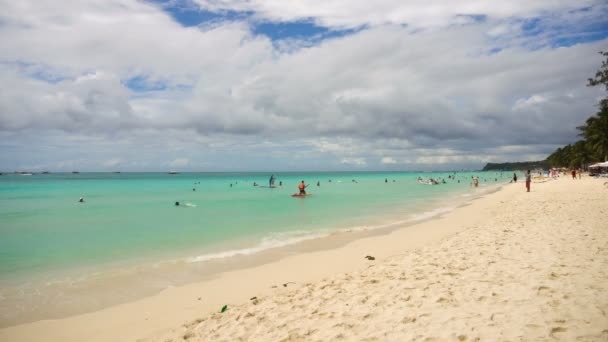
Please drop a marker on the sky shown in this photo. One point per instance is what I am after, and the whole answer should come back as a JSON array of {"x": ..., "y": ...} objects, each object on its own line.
[{"x": 273, "y": 85}]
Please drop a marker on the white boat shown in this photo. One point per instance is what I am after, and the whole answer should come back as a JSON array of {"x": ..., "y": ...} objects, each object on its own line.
[{"x": 427, "y": 181}]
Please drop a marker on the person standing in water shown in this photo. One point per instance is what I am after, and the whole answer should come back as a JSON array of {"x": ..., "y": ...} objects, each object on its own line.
[
  {"x": 302, "y": 188},
  {"x": 528, "y": 180},
  {"x": 271, "y": 181}
]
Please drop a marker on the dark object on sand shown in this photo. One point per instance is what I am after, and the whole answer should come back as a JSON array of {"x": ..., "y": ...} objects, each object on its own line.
[
  {"x": 224, "y": 308},
  {"x": 369, "y": 257},
  {"x": 253, "y": 298}
]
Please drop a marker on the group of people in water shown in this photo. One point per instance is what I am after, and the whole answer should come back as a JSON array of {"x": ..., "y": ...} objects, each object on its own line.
[{"x": 302, "y": 185}]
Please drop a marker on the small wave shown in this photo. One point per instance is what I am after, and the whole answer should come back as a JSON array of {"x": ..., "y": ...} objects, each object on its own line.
[
  {"x": 372, "y": 227},
  {"x": 432, "y": 213},
  {"x": 274, "y": 241}
]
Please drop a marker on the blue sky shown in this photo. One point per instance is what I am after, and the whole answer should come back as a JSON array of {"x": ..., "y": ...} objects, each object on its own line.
[{"x": 266, "y": 85}]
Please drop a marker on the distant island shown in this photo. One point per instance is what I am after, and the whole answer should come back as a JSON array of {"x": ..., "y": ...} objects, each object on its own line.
[{"x": 528, "y": 165}]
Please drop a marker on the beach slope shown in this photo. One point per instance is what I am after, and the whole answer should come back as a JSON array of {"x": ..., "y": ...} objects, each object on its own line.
[{"x": 534, "y": 269}]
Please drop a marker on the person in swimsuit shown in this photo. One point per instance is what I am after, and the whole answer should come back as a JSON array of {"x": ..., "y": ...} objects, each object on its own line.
[{"x": 302, "y": 188}]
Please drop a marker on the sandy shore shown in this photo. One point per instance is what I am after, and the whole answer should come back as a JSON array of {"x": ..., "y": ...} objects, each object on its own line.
[{"x": 509, "y": 266}]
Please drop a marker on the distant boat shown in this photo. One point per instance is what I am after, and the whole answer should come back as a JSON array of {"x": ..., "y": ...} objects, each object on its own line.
[
  {"x": 23, "y": 173},
  {"x": 45, "y": 172},
  {"x": 116, "y": 172},
  {"x": 75, "y": 172},
  {"x": 173, "y": 172},
  {"x": 429, "y": 181}
]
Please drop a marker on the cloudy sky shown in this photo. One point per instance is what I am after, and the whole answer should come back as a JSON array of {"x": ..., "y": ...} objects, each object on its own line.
[{"x": 274, "y": 85}]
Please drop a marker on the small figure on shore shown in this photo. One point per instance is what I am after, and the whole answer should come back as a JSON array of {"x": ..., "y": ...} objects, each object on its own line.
[
  {"x": 528, "y": 180},
  {"x": 573, "y": 173},
  {"x": 514, "y": 177},
  {"x": 476, "y": 182}
]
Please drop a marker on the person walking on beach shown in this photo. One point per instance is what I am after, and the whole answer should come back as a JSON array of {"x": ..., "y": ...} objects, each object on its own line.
[
  {"x": 573, "y": 173},
  {"x": 528, "y": 180},
  {"x": 302, "y": 188},
  {"x": 514, "y": 177}
]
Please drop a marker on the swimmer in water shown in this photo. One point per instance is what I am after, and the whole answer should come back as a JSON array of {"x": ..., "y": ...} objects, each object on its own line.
[
  {"x": 81, "y": 200},
  {"x": 177, "y": 204}
]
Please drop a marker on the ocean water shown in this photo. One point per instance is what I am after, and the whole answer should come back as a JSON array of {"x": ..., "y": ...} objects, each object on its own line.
[{"x": 129, "y": 219}]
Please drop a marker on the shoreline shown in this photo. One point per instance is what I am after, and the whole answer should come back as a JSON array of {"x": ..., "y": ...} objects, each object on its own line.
[
  {"x": 133, "y": 283},
  {"x": 228, "y": 288}
]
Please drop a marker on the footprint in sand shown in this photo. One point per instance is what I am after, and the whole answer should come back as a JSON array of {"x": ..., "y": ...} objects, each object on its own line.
[
  {"x": 557, "y": 330},
  {"x": 544, "y": 290}
]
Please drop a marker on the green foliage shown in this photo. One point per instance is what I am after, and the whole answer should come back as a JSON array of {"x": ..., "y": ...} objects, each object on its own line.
[{"x": 530, "y": 165}]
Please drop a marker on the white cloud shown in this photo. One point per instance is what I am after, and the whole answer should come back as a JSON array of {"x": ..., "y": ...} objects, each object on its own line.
[
  {"x": 522, "y": 104},
  {"x": 388, "y": 160},
  {"x": 430, "y": 96},
  {"x": 354, "y": 161},
  {"x": 416, "y": 13}
]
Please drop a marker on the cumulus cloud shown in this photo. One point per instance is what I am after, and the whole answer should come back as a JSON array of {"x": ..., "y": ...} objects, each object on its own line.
[
  {"x": 388, "y": 160},
  {"x": 417, "y": 13},
  {"x": 454, "y": 92},
  {"x": 354, "y": 161}
]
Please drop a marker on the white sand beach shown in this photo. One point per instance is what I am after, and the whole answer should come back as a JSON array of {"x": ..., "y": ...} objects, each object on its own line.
[{"x": 510, "y": 266}]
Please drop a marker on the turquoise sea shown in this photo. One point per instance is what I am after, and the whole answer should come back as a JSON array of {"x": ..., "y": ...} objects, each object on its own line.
[{"x": 130, "y": 219}]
